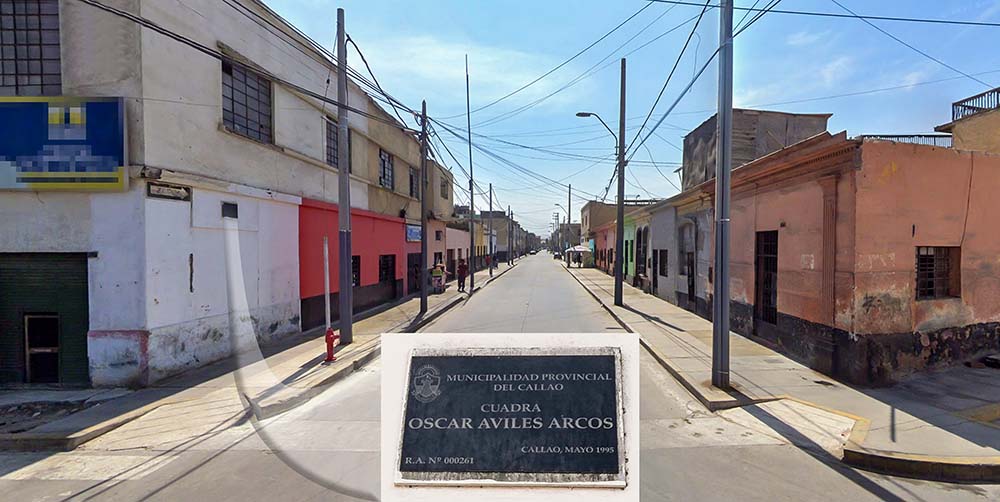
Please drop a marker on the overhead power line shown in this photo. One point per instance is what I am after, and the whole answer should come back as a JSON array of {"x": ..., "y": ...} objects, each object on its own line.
[
  {"x": 595, "y": 68},
  {"x": 222, "y": 57},
  {"x": 677, "y": 62},
  {"x": 557, "y": 67},
  {"x": 834, "y": 14},
  {"x": 914, "y": 49},
  {"x": 698, "y": 75}
]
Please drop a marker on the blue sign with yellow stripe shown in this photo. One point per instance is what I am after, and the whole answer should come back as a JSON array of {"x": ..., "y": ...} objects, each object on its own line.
[{"x": 62, "y": 143}]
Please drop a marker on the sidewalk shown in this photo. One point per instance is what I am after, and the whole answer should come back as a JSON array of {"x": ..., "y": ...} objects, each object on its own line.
[
  {"x": 942, "y": 426},
  {"x": 289, "y": 374}
]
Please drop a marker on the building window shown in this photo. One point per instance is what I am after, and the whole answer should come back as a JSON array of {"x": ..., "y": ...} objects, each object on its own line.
[
  {"x": 387, "y": 268},
  {"x": 355, "y": 271},
  {"x": 445, "y": 187},
  {"x": 386, "y": 176},
  {"x": 939, "y": 272},
  {"x": 333, "y": 146},
  {"x": 438, "y": 258},
  {"x": 662, "y": 263},
  {"x": 246, "y": 103},
  {"x": 438, "y": 235},
  {"x": 414, "y": 183},
  {"x": 29, "y": 48}
]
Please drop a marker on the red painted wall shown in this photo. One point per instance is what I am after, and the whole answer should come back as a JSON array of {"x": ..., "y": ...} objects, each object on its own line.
[{"x": 372, "y": 235}]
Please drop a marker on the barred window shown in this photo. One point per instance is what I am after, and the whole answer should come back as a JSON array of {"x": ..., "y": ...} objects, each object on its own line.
[
  {"x": 414, "y": 183},
  {"x": 662, "y": 263},
  {"x": 938, "y": 272},
  {"x": 29, "y": 48},
  {"x": 246, "y": 103},
  {"x": 386, "y": 268},
  {"x": 332, "y": 145},
  {"x": 386, "y": 177}
]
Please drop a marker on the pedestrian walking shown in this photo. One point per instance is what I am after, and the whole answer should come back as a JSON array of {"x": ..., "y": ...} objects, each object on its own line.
[
  {"x": 463, "y": 270},
  {"x": 579, "y": 260},
  {"x": 437, "y": 278}
]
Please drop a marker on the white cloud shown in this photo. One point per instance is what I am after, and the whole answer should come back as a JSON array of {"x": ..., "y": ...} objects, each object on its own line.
[
  {"x": 806, "y": 37},
  {"x": 836, "y": 70}
]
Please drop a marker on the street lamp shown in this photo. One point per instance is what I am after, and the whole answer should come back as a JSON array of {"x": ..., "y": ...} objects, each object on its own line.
[
  {"x": 620, "y": 220},
  {"x": 598, "y": 117}
]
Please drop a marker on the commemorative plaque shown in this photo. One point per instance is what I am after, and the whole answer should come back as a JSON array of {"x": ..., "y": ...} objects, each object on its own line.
[{"x": 549, "y": 416}]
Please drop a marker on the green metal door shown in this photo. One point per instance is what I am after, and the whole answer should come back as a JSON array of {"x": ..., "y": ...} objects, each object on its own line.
[{"x": 43, "y": 294}]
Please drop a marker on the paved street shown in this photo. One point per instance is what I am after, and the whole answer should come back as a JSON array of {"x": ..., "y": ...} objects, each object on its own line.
[{"x": 328, "y": 448}]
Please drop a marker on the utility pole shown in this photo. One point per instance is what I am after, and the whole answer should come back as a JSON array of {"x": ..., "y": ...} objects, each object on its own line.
[
  {"x": 472, "y": 187},
  {"x": 569, "y": 220},
  {"x": 423, "y": 207},
  {"x": 620, "y": 223},
  {"x": 490, "y": 244},
  {"x": 346, "y": 294},
  {"x": 510, "y": 239},
  {"x": 723, "y": 165}
]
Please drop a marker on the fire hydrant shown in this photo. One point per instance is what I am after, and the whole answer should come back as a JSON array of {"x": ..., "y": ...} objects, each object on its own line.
[{"x": 332, "y": 340}]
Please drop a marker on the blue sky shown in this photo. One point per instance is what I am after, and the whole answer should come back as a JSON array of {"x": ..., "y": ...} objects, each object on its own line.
[{"x": 417, "y": 49}]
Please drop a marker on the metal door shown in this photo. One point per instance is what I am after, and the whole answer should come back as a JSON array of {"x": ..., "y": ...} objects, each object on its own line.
[{"x": 766, "y": 280}]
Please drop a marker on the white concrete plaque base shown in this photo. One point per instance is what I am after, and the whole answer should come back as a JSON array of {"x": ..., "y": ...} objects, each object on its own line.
[{"x": 396, "y": 352}]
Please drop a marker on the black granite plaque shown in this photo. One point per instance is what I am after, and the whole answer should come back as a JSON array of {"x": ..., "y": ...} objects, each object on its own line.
[{"x": 548, "y": 414}]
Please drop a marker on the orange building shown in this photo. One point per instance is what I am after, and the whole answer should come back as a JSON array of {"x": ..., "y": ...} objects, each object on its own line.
[{"x": 866, "y": 259}]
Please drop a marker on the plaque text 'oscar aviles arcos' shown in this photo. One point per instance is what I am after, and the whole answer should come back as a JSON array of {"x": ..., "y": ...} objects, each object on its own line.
[{"x": 513, "y": 414}]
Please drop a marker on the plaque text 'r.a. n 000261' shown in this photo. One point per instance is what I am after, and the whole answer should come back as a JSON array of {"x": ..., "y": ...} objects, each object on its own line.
[{"x": 547, "y": 416}]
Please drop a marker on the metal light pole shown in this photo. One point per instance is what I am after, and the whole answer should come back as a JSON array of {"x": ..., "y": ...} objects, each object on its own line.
[
  {"x": 346, "y": 293},
  {"x": 723, "y": 165},
  {"x": 422, "y": 193},
  {"x": 490, "y": 243},
  {"x": 472, "y": 188},
  {"x": 620, "y": 218},
  {"x": 510, "y": 228},
  {"x": 569, "y": 220}
]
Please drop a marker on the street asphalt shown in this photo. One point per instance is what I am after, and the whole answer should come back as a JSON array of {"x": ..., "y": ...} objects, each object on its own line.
[{"x": 328, "y": 449}]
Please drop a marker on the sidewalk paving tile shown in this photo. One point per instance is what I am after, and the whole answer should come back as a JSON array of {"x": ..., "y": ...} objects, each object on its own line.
[{"x": 922, "y": 426}]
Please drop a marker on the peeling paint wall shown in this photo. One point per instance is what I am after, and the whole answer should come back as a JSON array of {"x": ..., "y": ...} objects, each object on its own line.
[
  {"x": 796, "y": 213},
  {"x": 187, "y": 300},
  {"x": 755, "y": 133},
  {"x": 910, "y": 196}
]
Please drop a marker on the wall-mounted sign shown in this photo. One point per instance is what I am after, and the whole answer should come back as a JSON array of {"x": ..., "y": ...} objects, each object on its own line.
[
  {"x": 63, "y": 143},
  {"x": 413, "y": 233}
]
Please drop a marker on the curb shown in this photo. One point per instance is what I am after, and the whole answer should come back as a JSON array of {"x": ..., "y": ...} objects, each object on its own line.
[
  {"x": 916, "y": 466},
  {"x": 926, "y": 467},
  {"x": 712, "y": 405},
  {"x": 358, "y": 359},
  {"x": 42, "y": 441}
]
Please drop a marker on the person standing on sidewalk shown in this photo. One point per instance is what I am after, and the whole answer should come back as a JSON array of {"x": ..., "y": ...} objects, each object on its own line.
[{"x": 463, "y": 270}]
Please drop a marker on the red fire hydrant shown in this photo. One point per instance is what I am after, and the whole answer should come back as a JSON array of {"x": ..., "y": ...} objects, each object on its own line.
[{"x": 332, "y": 340}]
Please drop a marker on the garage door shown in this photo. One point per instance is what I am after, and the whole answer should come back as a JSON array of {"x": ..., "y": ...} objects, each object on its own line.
[{"x": 43, "y": 318}]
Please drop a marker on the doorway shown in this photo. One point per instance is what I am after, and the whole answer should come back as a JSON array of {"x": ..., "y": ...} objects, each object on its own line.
[
  {"x": 44, "y": 318},
  {"x": 413, "y": 263},
  {"x": 689, "y": 268},
  {"x": 765, "y": 309}
]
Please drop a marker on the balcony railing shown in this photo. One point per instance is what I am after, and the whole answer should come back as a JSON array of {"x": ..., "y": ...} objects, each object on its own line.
[
  {"x": 942, "y": 140},
  {"x": 989, "y": 100}
]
